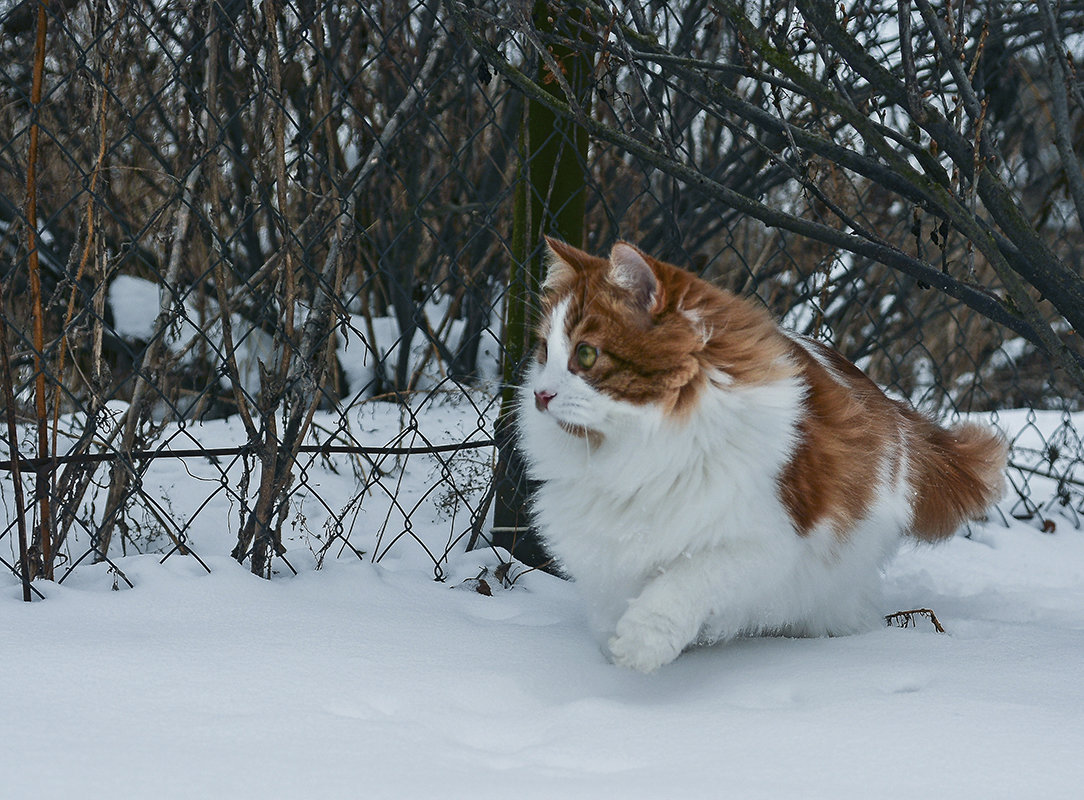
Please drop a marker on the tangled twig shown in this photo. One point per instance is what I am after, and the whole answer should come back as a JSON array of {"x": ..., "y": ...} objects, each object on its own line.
[{"x": 906, "y": 619}]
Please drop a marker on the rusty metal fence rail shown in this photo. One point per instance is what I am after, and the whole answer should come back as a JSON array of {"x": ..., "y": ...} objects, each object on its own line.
[{"x": 259, "y": 260}]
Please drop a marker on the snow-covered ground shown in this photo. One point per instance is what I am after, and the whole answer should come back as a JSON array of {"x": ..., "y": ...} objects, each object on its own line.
[{"x": 373, "y": 680}]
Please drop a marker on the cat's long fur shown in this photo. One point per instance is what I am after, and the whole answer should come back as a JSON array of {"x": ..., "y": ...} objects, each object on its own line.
[{"x": 711, "y": 475}]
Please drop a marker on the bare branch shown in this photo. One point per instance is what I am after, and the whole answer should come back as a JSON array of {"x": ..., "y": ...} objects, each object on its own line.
[{"x": 1055, "y": 52}]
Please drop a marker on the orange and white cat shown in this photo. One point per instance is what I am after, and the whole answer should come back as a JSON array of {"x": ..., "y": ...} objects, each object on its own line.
[{"x": 705, "y": 474}]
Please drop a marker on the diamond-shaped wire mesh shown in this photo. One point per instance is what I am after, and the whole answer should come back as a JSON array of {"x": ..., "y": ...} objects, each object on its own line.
[{"x": 274, "y": 240}]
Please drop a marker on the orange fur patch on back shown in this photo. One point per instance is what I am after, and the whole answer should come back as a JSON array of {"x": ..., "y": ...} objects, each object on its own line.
[
  {"x": 854, "y": 438},
  {"x": 843, "y": 443}
]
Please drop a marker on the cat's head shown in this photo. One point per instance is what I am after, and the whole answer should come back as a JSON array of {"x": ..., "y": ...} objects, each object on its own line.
[{"x": 629, "y": 334}]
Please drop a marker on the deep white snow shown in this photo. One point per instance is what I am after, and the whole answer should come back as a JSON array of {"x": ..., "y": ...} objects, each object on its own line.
[{"x": 373, "y": 680}]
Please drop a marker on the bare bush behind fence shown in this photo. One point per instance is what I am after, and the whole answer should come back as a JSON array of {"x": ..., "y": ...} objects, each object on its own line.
[{"x": 270, "y": 242}]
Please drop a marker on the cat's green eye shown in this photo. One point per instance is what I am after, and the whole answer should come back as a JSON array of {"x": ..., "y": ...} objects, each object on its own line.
[{"x": 586, "y": 355}]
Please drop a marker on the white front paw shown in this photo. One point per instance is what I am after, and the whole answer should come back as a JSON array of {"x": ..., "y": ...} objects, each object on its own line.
[{"x": 644, "y": 642}]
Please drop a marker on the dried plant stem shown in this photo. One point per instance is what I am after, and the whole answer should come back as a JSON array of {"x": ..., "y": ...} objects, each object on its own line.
[
  {"x": 88, "y": 247},
  {"x": 44, "y": 554},
  {"x": 73, "y": 482},
  {"x": 16, "y": 472}
]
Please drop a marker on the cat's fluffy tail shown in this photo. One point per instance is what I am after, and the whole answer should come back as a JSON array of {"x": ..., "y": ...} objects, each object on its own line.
[{"x": 956, "y": 474}]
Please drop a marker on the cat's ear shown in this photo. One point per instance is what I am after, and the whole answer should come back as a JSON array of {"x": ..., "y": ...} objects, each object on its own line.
[
  {"x": 563, "y": 260},
  {"x": 631, "y": 271}
]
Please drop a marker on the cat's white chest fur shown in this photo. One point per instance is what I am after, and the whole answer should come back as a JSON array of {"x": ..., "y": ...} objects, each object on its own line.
[{"x": 674, "y": 531}]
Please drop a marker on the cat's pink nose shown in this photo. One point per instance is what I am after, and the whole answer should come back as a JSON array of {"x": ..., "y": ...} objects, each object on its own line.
[{"x": 542, "y": 399}]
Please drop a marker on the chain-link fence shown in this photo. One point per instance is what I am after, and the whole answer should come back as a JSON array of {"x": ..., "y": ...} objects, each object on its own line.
[{"x": 261, "y": 262}]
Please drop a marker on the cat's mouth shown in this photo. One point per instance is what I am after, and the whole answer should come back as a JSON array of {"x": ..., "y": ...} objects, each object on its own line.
[{"x": 593, "y": 437}]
